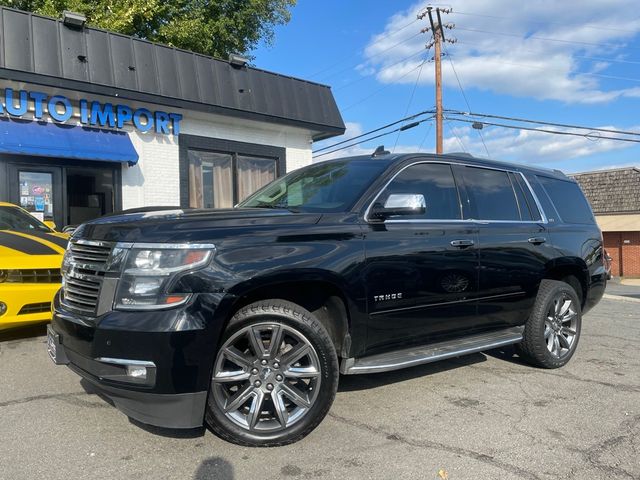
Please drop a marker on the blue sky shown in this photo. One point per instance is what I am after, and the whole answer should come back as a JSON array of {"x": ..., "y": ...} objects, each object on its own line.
[{"x": 545, "y": 60}]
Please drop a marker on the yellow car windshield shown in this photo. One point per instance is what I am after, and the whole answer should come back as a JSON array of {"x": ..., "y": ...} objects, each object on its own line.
[{"x": 12, "y": 218}]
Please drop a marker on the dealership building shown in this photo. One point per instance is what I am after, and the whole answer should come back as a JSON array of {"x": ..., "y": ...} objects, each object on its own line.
[{"x": 93, "y": 122}]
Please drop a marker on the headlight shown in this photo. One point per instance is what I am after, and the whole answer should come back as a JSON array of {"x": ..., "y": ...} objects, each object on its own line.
[{"x": 149, "y": 272}]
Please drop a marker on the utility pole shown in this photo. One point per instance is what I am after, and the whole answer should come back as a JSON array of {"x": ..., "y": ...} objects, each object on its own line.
[{"x": 437, "y": 30}]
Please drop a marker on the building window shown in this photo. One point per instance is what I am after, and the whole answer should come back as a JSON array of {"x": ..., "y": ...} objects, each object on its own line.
[{"x": 221, "y": 173}]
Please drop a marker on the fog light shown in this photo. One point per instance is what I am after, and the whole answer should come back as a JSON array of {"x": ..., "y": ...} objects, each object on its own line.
[
  {"x": 136, "y": 371},
  {"x": 3, "y": 308}
]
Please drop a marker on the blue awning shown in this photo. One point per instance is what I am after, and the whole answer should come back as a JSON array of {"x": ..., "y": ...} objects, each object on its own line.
[{"x": 47, "y": 139}]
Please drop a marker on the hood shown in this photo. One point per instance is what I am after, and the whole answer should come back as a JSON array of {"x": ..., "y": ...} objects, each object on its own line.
[
  {"x": 192, "y": 225},
  {"x": 26, "y": 250}
]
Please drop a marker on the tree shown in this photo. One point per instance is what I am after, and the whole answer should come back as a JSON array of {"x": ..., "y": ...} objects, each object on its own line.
[{"x": 211, "y": 27}]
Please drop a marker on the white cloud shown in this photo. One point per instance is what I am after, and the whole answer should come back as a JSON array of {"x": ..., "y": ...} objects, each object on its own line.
[
  {"x": 521, "y": 146},
  {"x": 531, "y": 147},
  {"x": 521, "y": 65}
]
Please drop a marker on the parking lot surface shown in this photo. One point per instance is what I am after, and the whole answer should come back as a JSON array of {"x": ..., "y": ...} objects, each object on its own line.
[{"x": 485, "y": 416}]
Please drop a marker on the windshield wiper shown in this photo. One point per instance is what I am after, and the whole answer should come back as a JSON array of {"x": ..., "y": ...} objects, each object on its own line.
[{"x": 275, "y": 207}]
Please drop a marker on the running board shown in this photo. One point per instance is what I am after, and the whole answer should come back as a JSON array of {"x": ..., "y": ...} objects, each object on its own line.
[{"x": 418, "y": 355}]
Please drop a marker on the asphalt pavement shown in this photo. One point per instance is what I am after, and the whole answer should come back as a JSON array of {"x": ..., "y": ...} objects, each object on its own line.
[{"x": 485, "y": 416}]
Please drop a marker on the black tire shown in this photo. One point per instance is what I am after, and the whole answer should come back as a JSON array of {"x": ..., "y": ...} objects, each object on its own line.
[
  {"x": 293, "y": 318},
  {"x": 534, "y": 347}
]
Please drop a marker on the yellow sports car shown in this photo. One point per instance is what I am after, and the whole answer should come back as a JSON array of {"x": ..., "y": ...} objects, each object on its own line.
[{"x": 30, "y": 259}]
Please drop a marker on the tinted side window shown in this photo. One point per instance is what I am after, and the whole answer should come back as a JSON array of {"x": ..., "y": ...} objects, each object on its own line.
[
  {"x": 434, "y": 181},
  {"x": 491, "y": 194},
  {"x": 568, "y": 200}
]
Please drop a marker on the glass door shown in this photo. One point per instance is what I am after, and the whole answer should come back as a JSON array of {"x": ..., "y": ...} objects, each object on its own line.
[{"x": 38, "y": 190}]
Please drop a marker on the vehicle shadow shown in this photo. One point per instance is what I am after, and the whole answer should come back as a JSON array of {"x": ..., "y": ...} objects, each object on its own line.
[
  {"x": 214, "y": 468},
  {"x": 24, "y": 332},
  {"x": 350, "y": 383},
  {"x": 508, "y": 354}
]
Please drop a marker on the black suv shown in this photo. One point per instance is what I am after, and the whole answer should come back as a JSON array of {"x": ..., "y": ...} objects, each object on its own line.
[{"x": 244, "y": 318}]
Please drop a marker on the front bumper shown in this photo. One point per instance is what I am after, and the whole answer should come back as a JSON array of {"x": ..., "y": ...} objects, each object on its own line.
[
  {"x": 173, "y": 393},
  {"x": 19, "y": 297}
]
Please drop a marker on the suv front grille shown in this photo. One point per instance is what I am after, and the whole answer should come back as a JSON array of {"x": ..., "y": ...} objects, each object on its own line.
[
  {"x": 94, "y": 253},
  {"x": 83, "y": 276},
  {"x": 39, "y": 275}
]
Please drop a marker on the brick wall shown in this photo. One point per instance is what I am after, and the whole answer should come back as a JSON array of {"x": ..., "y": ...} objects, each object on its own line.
[{"x": 624, "y": 248}]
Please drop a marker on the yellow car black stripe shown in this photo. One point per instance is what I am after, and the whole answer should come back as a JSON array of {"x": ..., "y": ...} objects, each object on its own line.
[
  {"x": 25, "y": 245},
  {"x": 61, "y": 242}
]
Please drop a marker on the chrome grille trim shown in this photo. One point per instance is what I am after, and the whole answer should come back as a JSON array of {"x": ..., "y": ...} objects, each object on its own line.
[
  {"x": 90, "y": 254},
  {"x": 84, "y": 275}
]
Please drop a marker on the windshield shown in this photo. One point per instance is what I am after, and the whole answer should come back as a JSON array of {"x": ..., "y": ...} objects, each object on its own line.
[
  {"x": 332, "y": 186},
  {"x": 12, "y": 218}
]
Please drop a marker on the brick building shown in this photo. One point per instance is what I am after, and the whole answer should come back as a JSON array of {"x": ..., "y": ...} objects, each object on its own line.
[
  {"x": 93, "y": 122},
  {"x": 615, "y": 199}
]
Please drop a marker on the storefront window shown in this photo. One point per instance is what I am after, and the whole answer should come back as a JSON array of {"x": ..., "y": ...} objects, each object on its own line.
[
  {"x": 36, "y": 194},
  {"x": 220, "y": 180},
  {"x": 253, "y": 174}
]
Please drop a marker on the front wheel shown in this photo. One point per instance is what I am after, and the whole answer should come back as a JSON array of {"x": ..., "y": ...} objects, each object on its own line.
[
  {"x": 274, "y": 378},
  {"x": 553, "y": 329}
]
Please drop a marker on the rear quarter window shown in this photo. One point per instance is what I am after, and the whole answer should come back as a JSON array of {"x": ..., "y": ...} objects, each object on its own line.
[{"x": 568, "y": 199}]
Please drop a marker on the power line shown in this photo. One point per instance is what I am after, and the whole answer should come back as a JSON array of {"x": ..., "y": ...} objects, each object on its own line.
[
  {"x": 349, "y": 67},
  {"x": 351, "y": 56},
  {"x": 596, "y": 27},
  {"x": 426, "y": 134},
  {"x": 402, "y": 128},
  {"x": 378, "y": 71},
  {"x": 411, "y": 117},
  {"x": 375, "y": 92},
  {"x": 543, "y": 130},
  {"x": 542, "y": 122},
  {"x": 547, "y": 39},
  {"x": 466, "y": 100},
  {"x": 456, "y": 135},
  {"x": 411, "y": 100},
  {"x": 591, "y": 74},
  {"x": 584, "y": 57}
]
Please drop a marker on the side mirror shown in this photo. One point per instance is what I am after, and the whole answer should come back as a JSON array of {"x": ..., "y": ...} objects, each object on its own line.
[
  {"x": 50, "y": 224},
  {"x": 400, "y": 204}
]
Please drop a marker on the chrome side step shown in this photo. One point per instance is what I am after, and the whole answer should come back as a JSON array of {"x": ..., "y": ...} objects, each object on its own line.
[{"x": 418, "y": 355}]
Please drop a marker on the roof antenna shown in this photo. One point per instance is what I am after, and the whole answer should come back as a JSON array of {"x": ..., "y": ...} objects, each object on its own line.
[{"x": 380, "y": 151}]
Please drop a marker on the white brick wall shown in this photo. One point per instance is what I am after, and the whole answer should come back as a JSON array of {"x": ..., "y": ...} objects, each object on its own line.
[
  {"x": 155, "y": 180},
  {"x": 297, "y": 142}
]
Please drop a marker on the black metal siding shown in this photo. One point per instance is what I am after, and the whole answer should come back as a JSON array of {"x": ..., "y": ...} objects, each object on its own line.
[{"x": 43, "y": 50}]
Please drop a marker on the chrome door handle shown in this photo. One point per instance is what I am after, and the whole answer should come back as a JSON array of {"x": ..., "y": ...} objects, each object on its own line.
[
  {"x": 537, "y": 240},
  {"x": 462, "y": 243}
]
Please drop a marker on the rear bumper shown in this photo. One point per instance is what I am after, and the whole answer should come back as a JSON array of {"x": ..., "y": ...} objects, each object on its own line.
[
  {"x": 173, "y": 392},
  {"x": 20, "y": 295}
]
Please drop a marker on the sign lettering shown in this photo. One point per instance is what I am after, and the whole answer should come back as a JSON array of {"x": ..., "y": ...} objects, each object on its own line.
[{"x": 94, "y": 114}]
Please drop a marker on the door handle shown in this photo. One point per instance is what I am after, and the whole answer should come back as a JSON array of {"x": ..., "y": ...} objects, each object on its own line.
[
  {"x": 537, "y": 240},
  {"x": 462, "y": 243}
]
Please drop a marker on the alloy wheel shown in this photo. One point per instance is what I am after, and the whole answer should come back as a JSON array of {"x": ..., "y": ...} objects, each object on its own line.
[
  {"x": 560, "y": 326},
  {"x": 266, "y": 377}
]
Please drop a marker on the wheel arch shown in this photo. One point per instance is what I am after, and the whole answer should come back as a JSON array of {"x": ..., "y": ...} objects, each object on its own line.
[
  {"x": 320, "y": 293},
  {"x": 565, "y": 268}
]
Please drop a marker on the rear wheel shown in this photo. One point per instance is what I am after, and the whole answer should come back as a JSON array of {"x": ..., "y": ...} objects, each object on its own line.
[
  {"x": 553, "y": 329},
  {"x": 275, "y": 376}
]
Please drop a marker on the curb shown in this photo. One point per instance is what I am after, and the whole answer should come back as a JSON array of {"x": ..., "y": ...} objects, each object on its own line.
[{"x": 622, "y": 298}]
